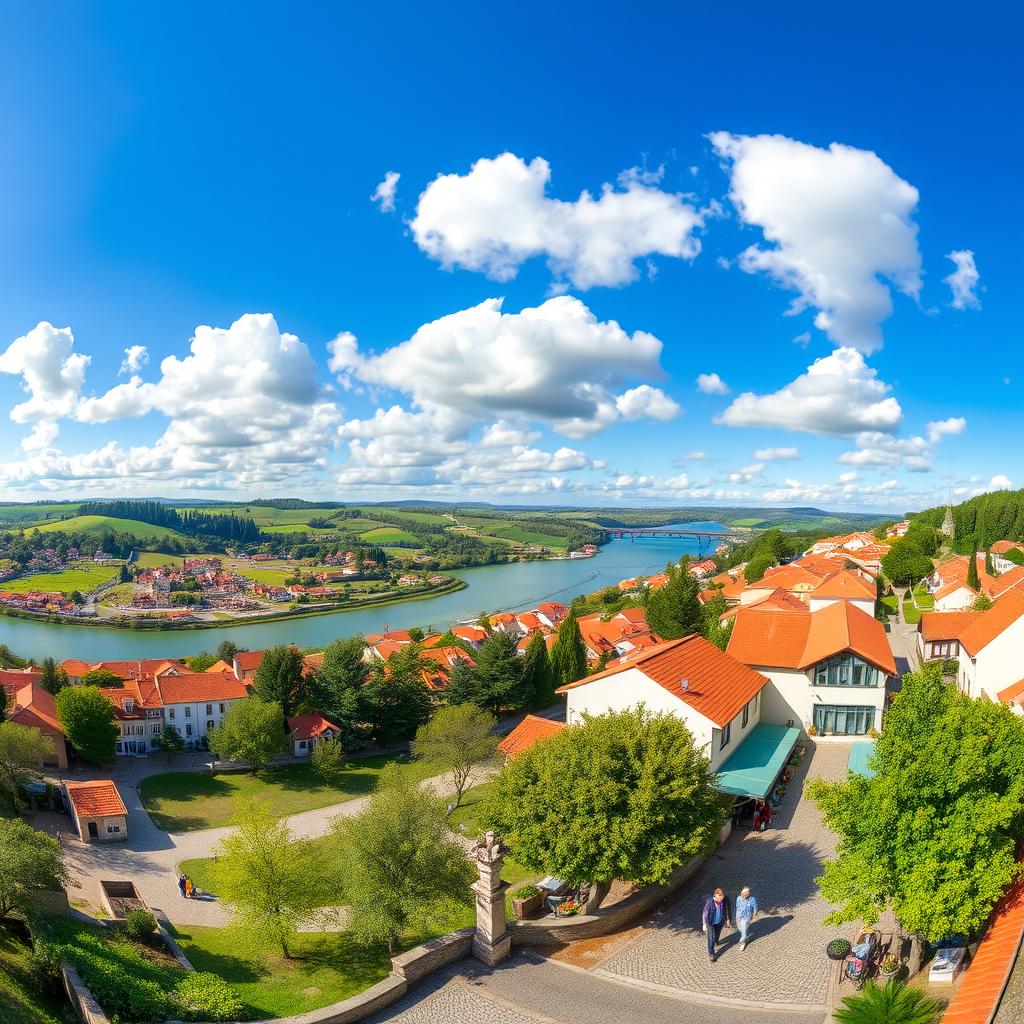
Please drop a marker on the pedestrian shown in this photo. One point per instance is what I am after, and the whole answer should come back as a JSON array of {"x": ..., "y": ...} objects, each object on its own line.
[
  {"x": 746, "y": 911},
  {"x": 189, "y": 888},
  {"x": 181, "y": 885},
  {"x": 716, "y": 914}
]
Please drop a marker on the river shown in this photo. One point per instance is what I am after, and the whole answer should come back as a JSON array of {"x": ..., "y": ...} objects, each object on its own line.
[{"x": 515, "y": 586}]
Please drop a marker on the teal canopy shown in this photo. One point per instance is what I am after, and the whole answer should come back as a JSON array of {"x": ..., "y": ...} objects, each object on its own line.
[
  {"x": 757, "y": 761},
  {"x": 860, "y": 753}
]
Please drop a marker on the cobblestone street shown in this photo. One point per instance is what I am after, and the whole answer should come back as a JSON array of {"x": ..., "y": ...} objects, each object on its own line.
[{"x": 783, "y": 964}]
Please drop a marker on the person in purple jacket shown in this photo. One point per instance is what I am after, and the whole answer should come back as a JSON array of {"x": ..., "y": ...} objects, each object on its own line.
[{"x": 716, "y": 914}]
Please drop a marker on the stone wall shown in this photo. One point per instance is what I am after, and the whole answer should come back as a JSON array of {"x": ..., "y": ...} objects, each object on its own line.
[
  {"x": 82, "y": 1000},
  {"x": 419, "y": 962}
]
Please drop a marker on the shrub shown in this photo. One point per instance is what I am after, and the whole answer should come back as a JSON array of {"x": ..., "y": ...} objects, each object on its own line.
[
  {"x": 950, "y": 667},
  {"x": 524, "y": 892},
  {"x": 139, "y": 924},
  {"x": 122, "y": 996},
  {"x": 203, "y": 996}
]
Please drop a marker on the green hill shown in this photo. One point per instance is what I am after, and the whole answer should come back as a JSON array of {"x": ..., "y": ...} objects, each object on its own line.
[
  {"x": 101, "y": 524},
  {"x": 25, "y": 995}
]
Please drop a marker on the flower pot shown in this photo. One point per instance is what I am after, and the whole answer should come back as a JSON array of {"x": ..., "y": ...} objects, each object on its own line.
[
  {"x": 838, "y": 949},
  {"x": 523, "y": 908}
]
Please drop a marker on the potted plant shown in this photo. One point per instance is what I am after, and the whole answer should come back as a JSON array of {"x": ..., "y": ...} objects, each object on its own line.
[
  {"x": 526, "y": 900},
  {"x": 568, "y": 908},
  {"x": 890, "y": 966},
  {"x": 838, "y": 949}
]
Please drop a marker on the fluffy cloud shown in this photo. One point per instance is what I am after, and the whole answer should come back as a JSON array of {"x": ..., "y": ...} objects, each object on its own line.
[
  {"x": 847, "y": 491},
  {"x": 712, "y": 384},
  {"x": 838, "y": 395},
  {"x": 776, "y": 454},
  {"x": 746, "y": 474},
  {"x": 51, "y": 373},
  {"x": 999, "y": 483},
  {"x": 877, "y": 449},
  {"x": 556, "y": 363},
  {"x": 963, "y": 281},
  {"x": 135, "y": 358},
  {"x": 837, "y": 221},
  {"x": 384, "y": 193},
  {"x": 939, "y": 429},
  {"x": 244, "y": 409},
  {"x": 43, "y": 435},
  {"x": 497, "y": 217}
]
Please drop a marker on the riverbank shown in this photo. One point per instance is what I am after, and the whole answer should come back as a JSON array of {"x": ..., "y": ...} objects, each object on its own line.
[{"x": 141, "y": 624}]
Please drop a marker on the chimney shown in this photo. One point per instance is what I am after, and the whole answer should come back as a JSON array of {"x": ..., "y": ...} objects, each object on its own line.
[{"x": 684, "y": 684}]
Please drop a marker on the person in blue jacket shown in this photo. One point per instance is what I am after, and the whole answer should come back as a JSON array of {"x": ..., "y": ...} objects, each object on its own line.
[
  {"x": 716, "y": 914},
  {"x": 746, "y": 909}
]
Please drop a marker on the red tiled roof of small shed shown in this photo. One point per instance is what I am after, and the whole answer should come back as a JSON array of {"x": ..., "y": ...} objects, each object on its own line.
[
  {"x": 99, "y": 799},
  {"x": 528, "y": 732}
]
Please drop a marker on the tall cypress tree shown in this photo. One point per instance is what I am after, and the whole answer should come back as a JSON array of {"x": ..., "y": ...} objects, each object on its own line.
[
  {"x": 972, "y": 572},
  {"x": 568, "y": 656},
  {"x": 537, "y": 674}
]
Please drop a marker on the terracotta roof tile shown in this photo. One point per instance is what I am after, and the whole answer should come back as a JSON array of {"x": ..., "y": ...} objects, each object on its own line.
[
  {"x": 981, "y": 990},
  {"x": 196, "y": 687},
  {"x": 528, "y": 732},
  {"x": 717, "y": 685},
  {"x": 248, "y": 661},
  {"x": 844, "y": 585},
  {"x": 945, "y": 625},
  {"x": 1012, "y": 692},
  {"x": 31, "y": 705},
  {"x": 1002, "y": 546},
  {"x": 952, "y": 587},
  {"x": 99, "y": 799},
  {"x": 308, "y": 727},
  {"x": 1003, "y": 614}
]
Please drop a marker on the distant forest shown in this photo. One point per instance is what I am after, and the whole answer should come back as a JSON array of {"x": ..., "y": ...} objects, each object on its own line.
[
  {"x": 226, "y": 526},
  {"x": 979, "y": 522}
]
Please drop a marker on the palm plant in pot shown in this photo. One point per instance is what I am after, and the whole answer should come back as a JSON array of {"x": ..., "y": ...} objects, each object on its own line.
[{"x": 892, "y": 1003}]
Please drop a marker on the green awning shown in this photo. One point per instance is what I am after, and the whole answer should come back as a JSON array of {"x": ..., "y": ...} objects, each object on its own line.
[
  {"x": 757, "y": 761},
  {"x": 860, "y": 753}
]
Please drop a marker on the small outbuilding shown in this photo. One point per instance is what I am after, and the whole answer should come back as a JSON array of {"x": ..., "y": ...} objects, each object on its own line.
[
  {"x": 306, "y": 731},
  {"x": 97, "y": 810}
]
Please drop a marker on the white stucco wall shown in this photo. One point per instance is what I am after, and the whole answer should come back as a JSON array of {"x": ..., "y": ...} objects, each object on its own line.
[
  {"x": 630, "y": 688},
  {"x": 957, "y": 601},
  {"x": 194, "y": 714},
  {"x": 790, "y": 695},
  {"x": 997, "y": 665},
  {"x": 866, "y": 605}
]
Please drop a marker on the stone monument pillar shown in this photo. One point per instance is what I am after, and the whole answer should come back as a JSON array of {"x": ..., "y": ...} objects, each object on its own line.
[{"x": 492, "y": 942}]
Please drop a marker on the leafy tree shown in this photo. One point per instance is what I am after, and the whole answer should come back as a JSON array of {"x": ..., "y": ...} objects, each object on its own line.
[
  {"x": 339, "y": 682},
  {"x": 538, "y": 676},
  {"x": 200, "y": 662},
  {"x": 416, "y": 635},
  {"x": 22, "y": 753},
  {"x": 905, "y": 563},
  {"x": 712, "y": 629},
  {"x": 569, "y": 654},
  {"x": 982, "y": 603},
  {"x": 400, "y": 865},
  {"x": 76, "y": 597},
  {"x": 988, "y": 562},
  {"x": 87, "y": 719},
  {"x": 641, "y": 802},
  {"x": 279, "y": 678},
  {"x": 54, "y": 678},
  {"x": 674, "y": 610},
  {"x": 455, "y": 740},
  {"x": 252, "y": 732},
  {"x": 328, "y": 759},
  {"x": 497, "y": 681},
  {"x": 266, "y": 877},
  {"x": 1015, "y": 555},
  {"x": 892, "y": 1003},
  {"x": 396, "y": 700},
  {"x": 973, "y": 580},
  {"x": 30, "y": 863},
  {"x": 935, "y": 847},
  {"x": 170, "y": 741},
  {"x": 123, "y": 575},
  {"x": 102, "y": 678},
  {"x": 226, "y": 651},
  {"x": 758, "y": 566}
]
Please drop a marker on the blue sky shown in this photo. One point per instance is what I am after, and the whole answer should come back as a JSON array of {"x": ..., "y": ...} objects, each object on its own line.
[{"x": 170, "y": 175}]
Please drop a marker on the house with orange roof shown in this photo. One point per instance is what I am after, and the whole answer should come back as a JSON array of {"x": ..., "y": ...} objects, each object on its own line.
[
  {"x": 990, "y": 650},
  {"x": 438, "y": 664},
  {"x": 551, "y": 613},
  {"x": 828, "y": 669},
  {"x": 97, "y": 810},
  {"x": 30, "y": 705},
  {"x": 505, "y": 622},
  {"x": 999, "y": 551},
  {"x": 938, "y": 633},
  {"x": 532, "y": 729},
  {"x": 625, "y": 632},
  {"x": 306, "y": 731},
  {"x": 703, "y": 569},
  {"x": 473, "y": 635},
  {"x": 718, "y": 697},
  {"x": 844, "y": 586},
  {"x": 658, "y": 580},
  {"x": 794, "y": 579},
  {"x": 529, "y": 622},
  {"x": 954, "y": 596}
]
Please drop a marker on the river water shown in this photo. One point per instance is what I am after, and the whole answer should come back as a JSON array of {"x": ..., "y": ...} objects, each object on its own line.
[{"x": 514, "y": 586}]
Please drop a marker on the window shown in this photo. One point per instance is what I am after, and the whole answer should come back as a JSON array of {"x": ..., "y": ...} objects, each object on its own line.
[
  {"x": 188, "y": 730},
  {"x": 129, "y": 704},
  {"x": 170, "y": 714},
  {"x": 222, "y": 709},
  {"x": 209, "y": 709},
  {"x": 746, "y": 714},
  {"x": 302, "y": 744},
  {"x": 111, "y": 829},
  {"x": 843, "y": 720},
  {"x": 188, "y": 712},
  {"x": 847, "y": 670},
  {"x": 724, "y": 736},
  {"x": 210, "y": 724},
  {"x": 156, "y": 730}
]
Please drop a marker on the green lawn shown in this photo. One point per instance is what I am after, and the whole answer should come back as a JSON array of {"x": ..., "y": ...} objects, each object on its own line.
[
  {"x": 387, "y": 535},
  {"x": 154, "y": 559},
  {"x": 187, "y": 801},
  {"x": 910, "y": 613},
  {"x": 101, "y": 524},
  {"x": 26, "y": 995},
  {"x": 469, "y": 814},
  {"x": 892, "y": 603},
  {"x": 275, "y": 577},
  {"x": 83, "y": 576}
]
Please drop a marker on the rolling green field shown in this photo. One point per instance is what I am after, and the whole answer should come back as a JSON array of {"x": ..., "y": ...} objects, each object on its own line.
[
  {"x": 83, "y": 576},
  {"x": 18, "y": 516},
  {"x": 26, "y": 995},
  {"x": 154, "y": 559},
  {"x": 101, "y": 524},
  {"x": 387, "y": 535}
]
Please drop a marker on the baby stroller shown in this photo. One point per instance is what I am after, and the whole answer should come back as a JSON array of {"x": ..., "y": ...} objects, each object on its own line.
[{"x": 862, "y": 957}]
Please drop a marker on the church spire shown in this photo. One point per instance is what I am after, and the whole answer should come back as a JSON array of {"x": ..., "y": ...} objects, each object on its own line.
[{"x": 947, "y": 523}]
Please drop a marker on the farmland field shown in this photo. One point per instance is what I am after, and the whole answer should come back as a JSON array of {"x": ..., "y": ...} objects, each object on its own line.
[
  {"x": 101, "y": 524},
  {"x": 387, "y": 535},
  {"x": 153, "y": 559},
  {"x": 83, "y": 576},
  {"x": 18, "y": 516}
]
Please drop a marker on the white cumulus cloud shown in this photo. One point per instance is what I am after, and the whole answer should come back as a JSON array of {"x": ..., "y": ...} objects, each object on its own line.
[
  {"x": 498, "y": 215},
  {"x": 51, "y": 373},
  {"x": 776, "y": 454},
  {"x": 877, "y": 449},
  {"x": 939, "y": 429},
  {"x": 712, "y": 384},
  {"x": 964, "y": 280},
  {"x": 836, "y": 221},
  {"x": 135, "y": 358},
  {"x": 838, "y": 395},
  {"x": 384, "y": 193}
]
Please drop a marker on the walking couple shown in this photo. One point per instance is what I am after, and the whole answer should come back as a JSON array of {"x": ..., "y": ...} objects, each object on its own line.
[{"x": 718, "y": 913}]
